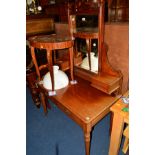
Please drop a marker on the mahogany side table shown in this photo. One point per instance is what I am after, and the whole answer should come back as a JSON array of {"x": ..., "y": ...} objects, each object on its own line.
[{"x": 51, "y": 43}]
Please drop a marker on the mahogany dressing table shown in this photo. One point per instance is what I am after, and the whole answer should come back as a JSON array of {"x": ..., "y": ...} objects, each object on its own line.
[
  {"x": 83, "y": 103},
  {"x": 85, "y": 107}
]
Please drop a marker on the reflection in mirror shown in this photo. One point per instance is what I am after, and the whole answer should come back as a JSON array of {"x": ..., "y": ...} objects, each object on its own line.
[
  {"x": 87, "y": 21},
  {"x": 82, "y": 50},
  {"x": 86, "y": 41},
  {"x": 94, "y": 62}
]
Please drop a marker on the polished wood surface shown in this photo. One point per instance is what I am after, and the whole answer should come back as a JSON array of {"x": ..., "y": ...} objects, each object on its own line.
[
  {"x": 85, "y": 107},
  {"x": 106, "y": 83},
  {"x": 119, "y": 119},
  {"x": 51, "y": 41},
  {"x": 84, "y": 104}
]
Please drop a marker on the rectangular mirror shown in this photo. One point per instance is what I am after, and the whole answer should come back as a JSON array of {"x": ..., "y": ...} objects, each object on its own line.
[{"x": 86, "y": 41}]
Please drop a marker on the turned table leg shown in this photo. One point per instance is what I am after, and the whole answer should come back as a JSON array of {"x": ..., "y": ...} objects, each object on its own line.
[
  {"x": 87, "y": 138},
  {"x": 87, "y": 143}
]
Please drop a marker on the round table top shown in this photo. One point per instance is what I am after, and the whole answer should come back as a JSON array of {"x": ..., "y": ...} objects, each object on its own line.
[
  {"x": 51, "y": 41},
  {"x": 85, "y": 32},
  {"x": 52, "y": 38}
]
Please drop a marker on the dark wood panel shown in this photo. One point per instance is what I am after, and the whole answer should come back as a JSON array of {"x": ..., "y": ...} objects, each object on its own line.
[{"x": 39, "y": 26}]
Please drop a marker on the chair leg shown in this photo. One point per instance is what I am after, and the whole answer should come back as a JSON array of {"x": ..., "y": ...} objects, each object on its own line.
[
  {"x": 126, "y": 142},
  {"x": 43, "y": 101},
  {"x": 126, "y": 145},
  {"x": 111, "y": 122}
]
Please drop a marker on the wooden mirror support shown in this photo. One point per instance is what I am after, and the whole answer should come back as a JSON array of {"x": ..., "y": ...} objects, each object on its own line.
[{"x": 107, "y": 79}]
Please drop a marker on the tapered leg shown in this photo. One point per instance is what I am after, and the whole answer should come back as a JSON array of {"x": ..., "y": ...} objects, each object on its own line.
[
  {"x": 35, "y": 63},
  {"x": 87, "y": 142},
  {"x": 50, "y": 67},
  {"x": 111, "y": 122},
  {"x": 71, "y": 62},
  {"x": 43, "y": 101}
]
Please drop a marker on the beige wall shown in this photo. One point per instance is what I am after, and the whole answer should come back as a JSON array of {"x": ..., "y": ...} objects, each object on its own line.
[{"x": 117, "y": 38}]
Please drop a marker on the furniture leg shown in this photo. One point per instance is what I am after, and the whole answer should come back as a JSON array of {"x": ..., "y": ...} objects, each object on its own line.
[
  {"x": 87, "y": 138},
  {"x": 111, "y": 122},
  {"x": 88, "y": 44},
  {"x": 50, "y": 67},
  {"x": 31, "y": 79},
  {"x": 87, "y": 143},
  {"x": 116, "y": 134},
  {"x": 126, "y": 145},
  {"x": 35, "y": 62},
  {"x": 71, "y": 63},
  {"x": 43, "y": 101},
  {"x": 126, "y": 142}
]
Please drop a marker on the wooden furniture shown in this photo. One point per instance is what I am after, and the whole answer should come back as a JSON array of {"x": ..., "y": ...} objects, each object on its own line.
[
  {"x": 107, "y": 79},
  {"x": 50, "y": 43},
  {"x": 39, "y": 26},
  {"x": 118, "y": 10},
  {"x": 85, "y": 107},
  {"x": 84, "y": 104},
  {"x": 119, "y": 119},
  {"x": 57, "y": 9},
  {"x": 115, "y": 10},
  {"x": 35, "y": 26},
  {"x": 37, "y": 16},
  {"x": 31, "y": 82},
  {"x": 126, "y": 141}
]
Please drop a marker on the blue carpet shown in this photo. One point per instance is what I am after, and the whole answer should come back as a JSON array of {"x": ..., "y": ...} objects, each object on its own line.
[{"x": 57, "y": 134}]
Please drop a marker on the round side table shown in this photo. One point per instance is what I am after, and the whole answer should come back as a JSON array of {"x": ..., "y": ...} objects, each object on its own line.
[{"x": 51, "y": 43}]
